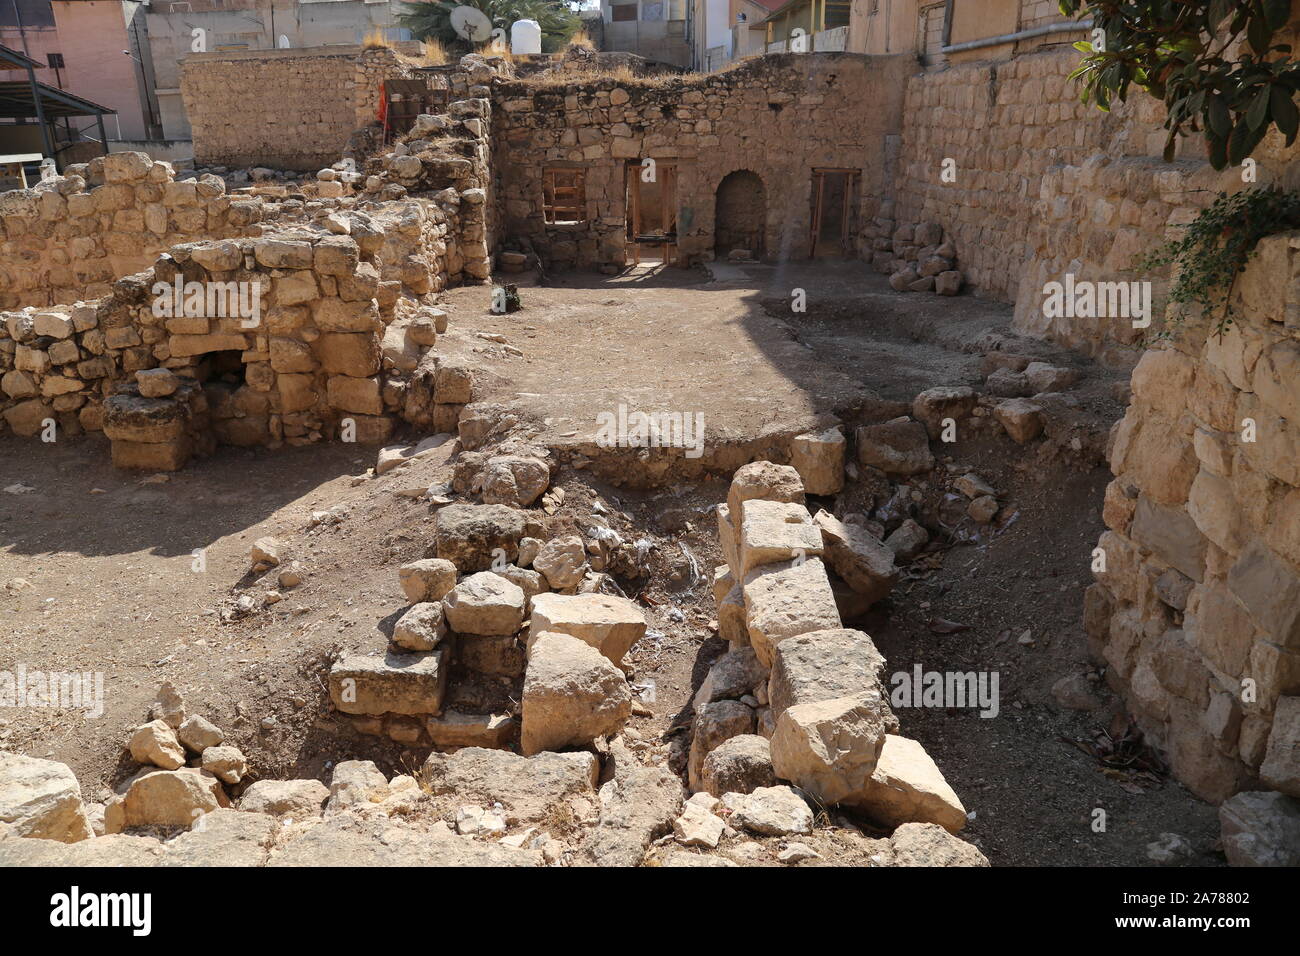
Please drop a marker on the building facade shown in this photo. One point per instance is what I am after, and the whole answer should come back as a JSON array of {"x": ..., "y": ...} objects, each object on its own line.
[{"x": 654, "y": 29}]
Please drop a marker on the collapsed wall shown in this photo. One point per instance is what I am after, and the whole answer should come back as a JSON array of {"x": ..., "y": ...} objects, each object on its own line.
[
  {"x": 771, "y": 120},
  {"x": 1196, "y": 609},
  {"x": 289, "y": 335},
  {"x": 70, "y": 237}
]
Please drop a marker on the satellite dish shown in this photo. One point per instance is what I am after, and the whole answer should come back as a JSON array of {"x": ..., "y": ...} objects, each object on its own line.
[
  {"x": 471, "y": 24},
  {"x": 283, "y": 43}
]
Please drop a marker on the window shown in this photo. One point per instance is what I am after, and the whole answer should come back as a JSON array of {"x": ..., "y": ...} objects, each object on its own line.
[
  {"x": 54, "y": 60},
  {"x": 564, "y": 196},
  {"x": 623, "y": 11}
]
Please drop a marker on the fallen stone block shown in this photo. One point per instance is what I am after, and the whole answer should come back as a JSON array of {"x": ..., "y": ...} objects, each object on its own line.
[
  {"x": 763, "y": 480},
  {"x": 355, "y": 783},
  {"x": 907, "y": 787},
  {"x": 427, "y": 580},
  {"x": 857, "y": 556},
  {"x": 175, "y": 798},
  {"x": 698, "y": 827},
  {"x": 563, "y": 561},
  {"x": 528, "y": 788},
  {"x": 227, "y": 764},
  {"x": 829, "y": 748},
  {"x": 899, "y": 447},
  {"x": 825, "y": 665},
  {"x": 715, "y": 722},
  {"x": 608, "y": 623},
  {"x": 42, "y": 799},
  {"x": 1281, "y": 767},
  {"x": 485, "y": 603},
  {"x": 740, "y": 764},
  {"x": 733, "y": 675},
  {"x": 422, "y": 628},
  {"x": 818, "y": 457},
  {"x": 470, "y": 536},
  {"x": 296, "y": 798},
  {"x": 1044, "y": 377},
  {"x": 516, "y": 480},
  {"x": 155, "y": 744},
  {"x": 785, "y": 600},
  {"x": 770, "y": 811},
  {"x": 394, "y": 683},
  {"x": 572, "y": 695},
  {"x": 930, "y": 845},
  {"x": 776, "y": 531},
  {"x": 1260, "y": 829},
  {"x": 198, "y": 733},
  {"x": 1022, "y": 419}
]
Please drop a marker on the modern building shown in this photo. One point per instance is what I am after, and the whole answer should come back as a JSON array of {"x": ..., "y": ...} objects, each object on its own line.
[
  {"x": 654, "y": 29},
  {"x": 95, "y": 49}
]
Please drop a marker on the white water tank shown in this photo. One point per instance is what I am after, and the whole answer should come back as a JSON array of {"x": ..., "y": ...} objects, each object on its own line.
[{"x": 525, "y": 37}]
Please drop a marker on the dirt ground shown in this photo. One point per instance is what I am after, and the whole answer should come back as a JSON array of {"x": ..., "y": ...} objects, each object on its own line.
[{"x": 109, "y": 579}]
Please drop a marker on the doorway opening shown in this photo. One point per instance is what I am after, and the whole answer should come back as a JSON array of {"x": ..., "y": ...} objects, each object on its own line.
[
  {"x": 740, "y": 215},
  {"x": 651, "y": 210},
  {"x": 834, "y": 213}
]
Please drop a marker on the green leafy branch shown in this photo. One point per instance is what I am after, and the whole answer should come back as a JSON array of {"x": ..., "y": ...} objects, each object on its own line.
[
  {"x": 1213, "y": 63},
  {"x": 1215, "y": 247}
]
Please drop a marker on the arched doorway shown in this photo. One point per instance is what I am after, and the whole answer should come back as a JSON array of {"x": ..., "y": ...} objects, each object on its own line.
[{"x": 740, "y": 215}]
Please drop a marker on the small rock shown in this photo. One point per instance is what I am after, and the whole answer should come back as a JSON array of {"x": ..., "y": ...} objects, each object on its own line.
[{"x": 155, "y": 744}]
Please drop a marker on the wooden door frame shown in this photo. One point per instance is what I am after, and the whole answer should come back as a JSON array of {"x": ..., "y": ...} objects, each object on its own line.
[
  {"x": 666, "y": 175},
  {"x": 848, "y": 208}
]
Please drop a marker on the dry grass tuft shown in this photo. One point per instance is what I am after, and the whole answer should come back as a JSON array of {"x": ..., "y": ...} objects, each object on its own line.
[
  {"x": 434, "y": 53},
  {"x": 376, "y": 40}
]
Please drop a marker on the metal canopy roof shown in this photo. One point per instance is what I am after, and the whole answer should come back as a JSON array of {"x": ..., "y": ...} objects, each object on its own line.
[
  {"x": 17, "y": 101},
  {"x": 13, "y": 60}
]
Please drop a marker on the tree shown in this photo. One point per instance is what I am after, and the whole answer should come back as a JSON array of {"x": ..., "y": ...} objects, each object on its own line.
[
  {"x": 431, "y": 19},
  {"x": 1212, "y": 62}
]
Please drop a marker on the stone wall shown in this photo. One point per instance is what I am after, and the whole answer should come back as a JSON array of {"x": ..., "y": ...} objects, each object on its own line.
[
  {"x": 343, "y": 331},
  {"x": 287, "y": 109},
  {"x": 1197, "y": 611},
  {"x": 69, "y": 238},
  {"x": 1041, "y": 185},
  {"x": 776, "y": 116}
]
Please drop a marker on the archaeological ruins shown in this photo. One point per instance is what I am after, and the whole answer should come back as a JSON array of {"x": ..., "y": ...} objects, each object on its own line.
[{"x": 560, "y": 463}]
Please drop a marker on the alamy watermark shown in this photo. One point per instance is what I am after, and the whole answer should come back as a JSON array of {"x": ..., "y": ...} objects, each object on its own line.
[
  {"x": 213, "y": 300},
  {"x": 1082, "y": 299},
  {"x": 946, "y": 689},
  {"x": 75, "y": 690},
  {"x": 636, "y": 429}
]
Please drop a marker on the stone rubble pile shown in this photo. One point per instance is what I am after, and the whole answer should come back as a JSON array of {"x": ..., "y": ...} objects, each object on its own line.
[
  {"x": 917, "y": 258},
  {"x": 797, "y": 699}
]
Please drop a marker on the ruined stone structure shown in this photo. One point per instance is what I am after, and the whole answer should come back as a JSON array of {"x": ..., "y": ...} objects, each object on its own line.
[
  {"x": 286, "y": 109},
  {"x": 1197, "y": 610},
  {"x": 105, "y": 219},
  {"x": 778, "y": 118}
]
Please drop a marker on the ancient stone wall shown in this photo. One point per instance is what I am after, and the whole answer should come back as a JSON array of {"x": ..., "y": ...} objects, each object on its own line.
[
  {"x": 1197, "y": 610},
  {"x": 338, "y": 327},
  {"x": 779, "y": 117},
  {"x": 287, "y": 109},
  {"x": 1039, "y": 184},
  {"x": 69, "y": 238}
]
